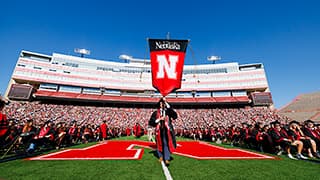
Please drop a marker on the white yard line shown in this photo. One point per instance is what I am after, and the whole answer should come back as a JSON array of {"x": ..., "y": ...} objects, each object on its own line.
[{"x": 166, "y": 171}]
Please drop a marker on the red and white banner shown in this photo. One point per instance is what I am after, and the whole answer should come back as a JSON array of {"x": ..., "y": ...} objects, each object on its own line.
[{"x": 167, "y": 60}]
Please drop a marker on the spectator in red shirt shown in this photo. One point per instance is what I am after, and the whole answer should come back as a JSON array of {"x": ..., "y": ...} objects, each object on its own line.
[
  {"x": 103, "y": 129},
  {"x": 3, "y": 122},
  {"x": 128, "y": 131},
  {"x": 46, "y": 135},
  {"x": 137, "y": 130},
  {"x": 73, "y": 132},
  {"x": 311, "y": 131},
  {"x": 281, "y": 137},
  {"x": 87, "y": 134}
]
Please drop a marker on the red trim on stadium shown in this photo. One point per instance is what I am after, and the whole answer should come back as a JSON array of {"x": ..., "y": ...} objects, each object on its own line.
[{"x": 94, "y": 97}]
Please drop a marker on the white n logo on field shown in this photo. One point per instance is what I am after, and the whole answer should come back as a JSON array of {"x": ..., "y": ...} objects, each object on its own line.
[{"x": 165, "y": 66}]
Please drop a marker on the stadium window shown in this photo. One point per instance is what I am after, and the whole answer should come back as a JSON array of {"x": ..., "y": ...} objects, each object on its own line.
[
  {"x": 67, "y": 72},
  {"x": 52, "y": 70},
  {"x": 89, "y": 90},
  {"x": 48, "y": 86},
  {"x": 21, "y": 65},
  {"x": 70, "y": 64},
  {"x": 184, "y": 94},
  {"x": 36, "y": 67},
  {"x": 70, "y": 89},
  {"x": 221, "y": 93},
  {"x": 203, "y": 94},
  {"x": 39, "y": 58},
  {"x": 239, "y": 93},
  {"x": 112, "y": 91},
  {"x": 104, "y": 68}
]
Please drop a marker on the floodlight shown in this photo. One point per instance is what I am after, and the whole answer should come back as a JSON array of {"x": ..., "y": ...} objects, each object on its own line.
[
  {"x": 125, "y": 57},
  {"x": 82, "y": 51},
  {"x": 213, "y": 58}
]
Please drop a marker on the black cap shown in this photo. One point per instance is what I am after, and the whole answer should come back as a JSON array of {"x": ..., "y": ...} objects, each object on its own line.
[
  {"x": 308, "y": 121},
  {"x": 265, "y": 126},
  {"x": 158, "y": 103},
  {"x": 294, "y": 122},
  {"x": 47, "y": 122},
  {"x": 2, "y": 103},
  {"x": 276, "y": 122}
]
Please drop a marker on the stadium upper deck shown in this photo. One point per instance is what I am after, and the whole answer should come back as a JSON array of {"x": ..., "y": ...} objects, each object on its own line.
[{"x": 69, "y": 77}]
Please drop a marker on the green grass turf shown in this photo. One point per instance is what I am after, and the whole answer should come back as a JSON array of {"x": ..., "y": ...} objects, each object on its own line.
[{"x": 149, "y": 168}]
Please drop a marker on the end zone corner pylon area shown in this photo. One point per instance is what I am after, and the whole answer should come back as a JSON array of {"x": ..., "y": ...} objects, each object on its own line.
[{"x": 124, "y": 150}]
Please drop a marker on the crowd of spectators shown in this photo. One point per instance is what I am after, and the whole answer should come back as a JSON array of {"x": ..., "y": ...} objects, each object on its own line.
[{"x": 35, "y": 124}]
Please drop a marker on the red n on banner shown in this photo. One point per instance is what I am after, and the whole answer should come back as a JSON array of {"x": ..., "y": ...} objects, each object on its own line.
[{"x": 167, "y": 60}]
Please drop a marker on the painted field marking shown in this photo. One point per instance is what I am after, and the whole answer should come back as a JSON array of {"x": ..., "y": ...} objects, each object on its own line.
[{"x": 122, "y": 150}]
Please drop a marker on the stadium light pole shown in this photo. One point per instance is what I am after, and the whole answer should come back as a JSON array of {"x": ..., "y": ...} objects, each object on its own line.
[
  {"x": 82, "y": 52},
  {"x": 125, "y": 57},
  {"x": 213, "y": 59}
]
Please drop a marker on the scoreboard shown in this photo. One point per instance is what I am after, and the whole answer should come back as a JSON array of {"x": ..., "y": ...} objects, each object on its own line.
[
  {"x": 261, "y": 98},
  {"x": 20, "y": 92}
]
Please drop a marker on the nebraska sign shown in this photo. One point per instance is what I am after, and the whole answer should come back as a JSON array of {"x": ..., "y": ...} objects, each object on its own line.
[{"x": 167, "y": 59}]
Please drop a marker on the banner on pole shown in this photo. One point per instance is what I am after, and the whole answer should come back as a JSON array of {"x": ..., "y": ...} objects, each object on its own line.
[{"x": 167, "y": 60}]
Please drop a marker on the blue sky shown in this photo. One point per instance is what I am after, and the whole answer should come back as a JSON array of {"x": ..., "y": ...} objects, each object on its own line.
[{"x": 283, "y": 35}]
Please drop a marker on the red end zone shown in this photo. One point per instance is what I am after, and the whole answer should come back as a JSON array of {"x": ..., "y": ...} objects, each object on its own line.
[{"x": 124, "y": 150}]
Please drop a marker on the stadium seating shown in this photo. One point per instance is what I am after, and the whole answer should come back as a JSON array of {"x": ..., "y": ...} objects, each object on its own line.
[
  {"x": 303, "y": 107},
  {"x": 211, "y": 124}
]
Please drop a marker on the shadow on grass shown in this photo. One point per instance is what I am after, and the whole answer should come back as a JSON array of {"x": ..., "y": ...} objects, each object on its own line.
[
  {"x": 312, "y": 160},
  {"x": 20, "y": 156}
]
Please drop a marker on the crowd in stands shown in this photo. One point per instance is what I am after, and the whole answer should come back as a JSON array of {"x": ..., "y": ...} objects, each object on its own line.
[{"x": 32, "y": 125}]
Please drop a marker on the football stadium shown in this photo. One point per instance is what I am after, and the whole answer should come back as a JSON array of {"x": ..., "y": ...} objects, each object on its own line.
[{"x": 74, "y": 117}]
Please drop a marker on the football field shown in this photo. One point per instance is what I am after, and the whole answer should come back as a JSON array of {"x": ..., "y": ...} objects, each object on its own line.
[{"x": 146, "y": 165}]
